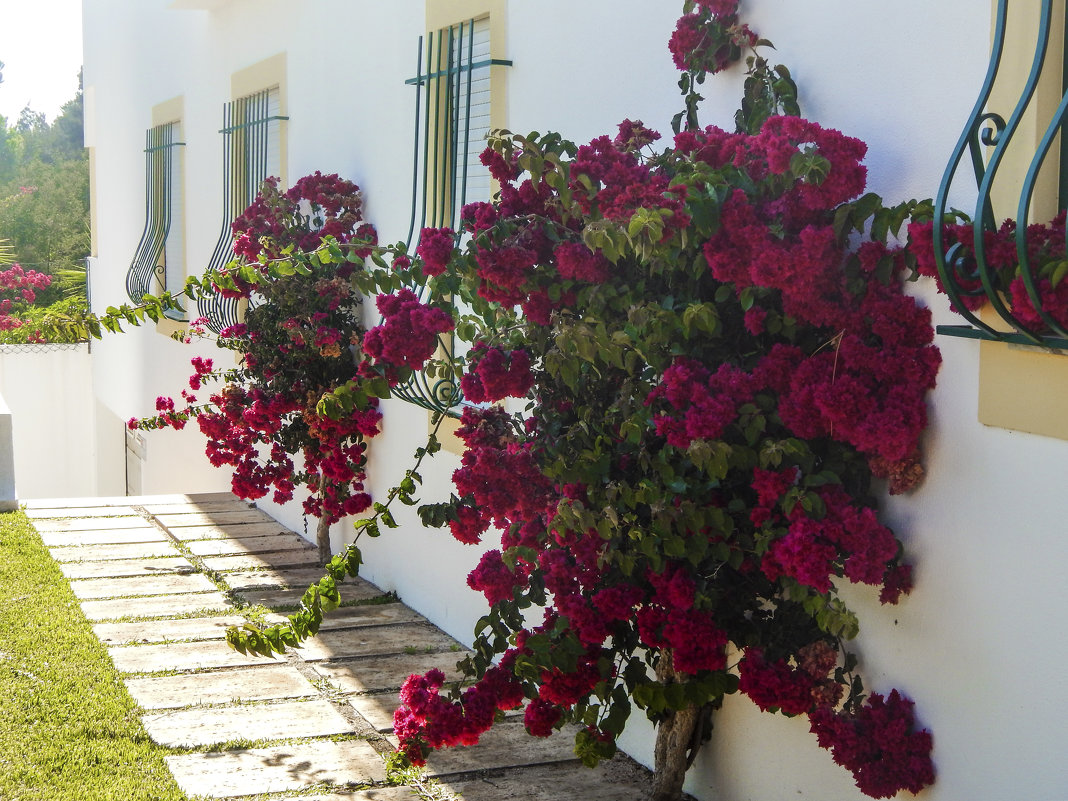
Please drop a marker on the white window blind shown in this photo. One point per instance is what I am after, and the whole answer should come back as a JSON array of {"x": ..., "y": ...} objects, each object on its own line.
[{"x": 471, "y": 105}]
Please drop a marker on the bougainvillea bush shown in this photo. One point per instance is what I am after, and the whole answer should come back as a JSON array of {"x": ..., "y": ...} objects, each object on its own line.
[
  {"x": 720, "y": 375},
  {"x": 715, "y": 380},
  {"x": 299, "y": 340}
]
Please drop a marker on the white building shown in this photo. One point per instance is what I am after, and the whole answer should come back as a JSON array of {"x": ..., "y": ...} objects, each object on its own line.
[{"x": 981, "y": 644}]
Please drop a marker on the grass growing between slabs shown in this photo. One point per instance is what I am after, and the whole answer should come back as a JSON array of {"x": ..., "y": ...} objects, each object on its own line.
[{"x": 68, "y": 728}]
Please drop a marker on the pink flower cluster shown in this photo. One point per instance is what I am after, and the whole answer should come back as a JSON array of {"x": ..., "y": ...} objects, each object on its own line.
[
  {"x": 18, "y": 285},
  {"x": 241, "y": 422},
  {"x": 316, "y": 206},
  {"x": 494, "y": 579},
  {"x": 702, "y": 404},
  {"x": 425, "y": 720},
  {"x": 622, "y": 184},
  {"x": 710, "y": 39},
  {"x": 846, "y": 540},
  {"x": 576, "y": 262},
  {"x": 879, "y": 744},
  {"x": 248, "y": 418},
  {"x": 501, "y": 477},
  {"x": 792, "y": 689},
  {"x": 632, "y": 136},
  {"x": 469, "y": 524},
  {"x": 201, "y": 367},
  {"x": 435, "y": 249},
  {"x": 409, "y": 332},
  {"x": 871, "y": 396},
  {"x": 867, "y": 385},
  {"x": 494, "y": 374},
  {"x": 17, "y": 281}
]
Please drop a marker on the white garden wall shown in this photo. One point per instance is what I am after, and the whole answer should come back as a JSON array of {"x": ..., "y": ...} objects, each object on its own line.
[
  {"x": 981, "y": 643},
  {"x": 60, "y": 444}
]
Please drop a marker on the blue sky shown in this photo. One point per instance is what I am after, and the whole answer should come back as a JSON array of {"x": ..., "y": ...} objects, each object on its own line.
[{"x": 41, "y": 47}]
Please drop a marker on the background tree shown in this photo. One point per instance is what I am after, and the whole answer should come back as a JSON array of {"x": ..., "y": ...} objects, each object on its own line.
[
  {"x": 44, "y": 203},
  {"x": 44, "y": 189}
]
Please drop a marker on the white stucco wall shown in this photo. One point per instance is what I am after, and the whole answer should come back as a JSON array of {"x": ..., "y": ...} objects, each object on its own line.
[
  {"x": 980, "y": 643},
  {"x": 48, "y": 390}
]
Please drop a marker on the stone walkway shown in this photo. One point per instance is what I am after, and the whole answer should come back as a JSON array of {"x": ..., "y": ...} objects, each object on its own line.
[{"x": 162, "y": 577}]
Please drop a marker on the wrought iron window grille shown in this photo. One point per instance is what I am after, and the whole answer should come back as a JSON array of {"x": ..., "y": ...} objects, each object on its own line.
[
  {"x": 250, "y": 132},
  {"x": 445, "y": 153},
  {"x": 962, "y": 264},
  {"x": 148, "y": 270}
]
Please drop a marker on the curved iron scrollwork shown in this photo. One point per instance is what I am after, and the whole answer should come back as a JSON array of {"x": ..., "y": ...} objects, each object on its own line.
[
  {"x": 441, "y": 395},
  {"x": 965, "y": 270}
]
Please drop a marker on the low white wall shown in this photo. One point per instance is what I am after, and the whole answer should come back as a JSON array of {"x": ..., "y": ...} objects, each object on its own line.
[{"x": 49, "y": 391}]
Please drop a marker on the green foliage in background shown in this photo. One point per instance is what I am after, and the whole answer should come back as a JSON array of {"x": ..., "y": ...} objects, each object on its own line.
[{"x": 44, "y": 206}]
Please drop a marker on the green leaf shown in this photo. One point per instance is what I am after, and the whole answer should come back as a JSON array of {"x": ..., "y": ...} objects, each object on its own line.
[{"x": 1059, "y": 273}]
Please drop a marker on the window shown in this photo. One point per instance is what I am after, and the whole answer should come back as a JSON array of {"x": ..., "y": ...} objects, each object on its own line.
[
  {"x": 455, "y": 83},
  {"x": 253, "y": 149},
  {"x": 459, "y": 99},
  {"x": 159, "y": 261}
]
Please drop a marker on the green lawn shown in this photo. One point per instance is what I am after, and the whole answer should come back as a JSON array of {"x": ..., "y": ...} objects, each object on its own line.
[{"x": 68, "y": 729}]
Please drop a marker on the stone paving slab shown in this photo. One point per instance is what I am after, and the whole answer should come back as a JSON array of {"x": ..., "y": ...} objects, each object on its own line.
[
  {"x": 377, "y": 673},
  {"x": 374, "y": 794},
  {"x": 181, "y": 656},
  {"x": 99, "y": 553},
  {"x": 156, "y": 606},
  {"x": 270, "y": 543},
  {"x": 377, "y": 709},
  {"x": 85, "y": 511},
  {"x": 506, "y": 745},
  {"x": 231, "y": 505},
  {"x": 118, "y": 536},
  {"x": 242, "y": 531},
  {"x": 188, "y": 628},
  {"x": 254, "y": 579},
  {"x": 225, "y": 774},
  {"x": 269, "y": 682},
  {"x": 123, "y": 500},
  {"x": 119, "y": 568},
  {"x": 348, "y": 617},
  {"x": 619, "y": 779},
  {"x": 303, "y": 557},
  {"x": 353, "y": 589},
  {"x": 204, "y": 727},
  {"x": 214, "y": 518},
  {"x": 91, "y": 524},
  {"x": 285, "y": 600},
  {"x": 165, "y": 584},
  {"x": 374, "y": 641}
]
